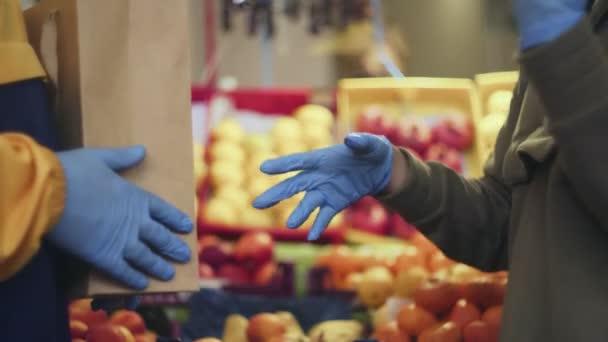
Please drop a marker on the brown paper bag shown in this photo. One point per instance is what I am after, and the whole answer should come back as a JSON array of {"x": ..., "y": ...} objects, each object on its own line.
[{"x": 120, "y": 69}]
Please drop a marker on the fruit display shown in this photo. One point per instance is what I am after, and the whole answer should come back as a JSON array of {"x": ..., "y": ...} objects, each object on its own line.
[
  {"x": 284, "y": 327},
  {"x": 370, "y": 216},
  {"x": 448, "y": 309},
  {"x": 97, "y": 326},
  {"x": 248, "y": 261},
  {"x": 489, "y": 126},
  {"x": 495, "y": 93},
  {"x": 232, "y": 179},
  {"x": 440, "y": 137}
]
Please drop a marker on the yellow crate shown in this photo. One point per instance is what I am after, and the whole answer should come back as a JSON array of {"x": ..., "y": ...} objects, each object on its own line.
[
  {"x": 424, "y": 95},
  {"x": 491, "y": 82}
]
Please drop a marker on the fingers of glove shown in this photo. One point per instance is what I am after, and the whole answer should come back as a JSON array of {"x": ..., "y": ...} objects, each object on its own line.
[
  {"x": 284, "y": 190},
  {"x": 311, "y": 200},
  {"x": 361, "y": 143},
  {"x": 323, "y": 218},
  {"x": 293, "y": 162},
  {"x": 120, "y": 158},
  {"x": 164, "y": 242},
  {"x": 168, "y": 215},
  {"x": 140, "y": 256},
  {"x": 125, "y": 274}
]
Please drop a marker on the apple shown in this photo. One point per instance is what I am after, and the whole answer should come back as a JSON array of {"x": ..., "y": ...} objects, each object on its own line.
[
  {"x": 109, "y": 333},
  {"x": 219, "y": 211},
  {"x": 265, "y": 326},
  {"x": 225, "y": 172},
  {"x": 462, "y": 274},
  {"x": 464, "y": 313},
  {"x": 439, "y": 261},
  {"x": 489, "y": 127},
  {"x": 410, "y": 257},
  {"x": 265, "y": 274},
  {"x": 256, "y": 218},
  {"x": 80, "y": 310},
  {"x": 376, "y": 287},
  {"x": 390, "y": 333},
  {"x": 78, "y": 329},
  {"x": 479, "y": 331},
  {"x": 336, "y": 221},
  {"x": 228, "y": 129},
  {"x": 445, "y": 155},
  {"x": 217, "y": 255},
  {"x": 315, "y": 115},
  {"x": 413, "y": 319},
  {"x": 315, "y": 136},
  {"x": 257, "y": 143},
  {"x": 353, "y": 280},
  {"x": 80, "y": 340},
  {"x": 286, "y": 130},
  {"x": 401, "y": 228},
  {"x": 436, "y": 296},
  {"x": 205, "y": 241},
  {"x": 486, "y": 291},
  {"x": 236, "y": 195},
  {"x": 374, "y": 219},
  {"x": 455, "y": 131},
  {"x": 287, "y": 147},
  {"x": 228, "y": 151},
  {"x": 444, "y": 332},
  {"x": 234, "y": 274},
  {"x": 254, "y": 249},
  {"x": 257, "y": 186},
  {"x": 130, "y": 320},
  {"x": 499, "y": 101},
  {"x": 414, "y": 134},
  {"x": 493, "y": 317},
  {"x": 205, "y": 271},
  {"x": 374, "y": 120},
  {"x": 408, "y": 280},
  {"x": 147, "y": 336}
]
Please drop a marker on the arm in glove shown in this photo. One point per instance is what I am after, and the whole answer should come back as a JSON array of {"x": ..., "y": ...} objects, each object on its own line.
[
  {"x": 333, "y": 178},
  {"x": 117, "y": 227},
  {"x": 542, "y": 21}
]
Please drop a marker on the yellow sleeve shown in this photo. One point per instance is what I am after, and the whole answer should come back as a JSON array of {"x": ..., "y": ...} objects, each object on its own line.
[
  {"x": 32, "y": 193},
  {"x": 18, "y": 61}
]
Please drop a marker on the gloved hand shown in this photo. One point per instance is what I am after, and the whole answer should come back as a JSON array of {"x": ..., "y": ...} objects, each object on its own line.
[
  {"x": 541, "y": 21},
  {"x": 333, "y": 178},
  {"x": 114, "y": 225}
]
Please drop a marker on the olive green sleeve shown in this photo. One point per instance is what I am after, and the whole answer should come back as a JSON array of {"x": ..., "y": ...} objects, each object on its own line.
[
  {"x": 571, "y": 78},
  {"x": 466, "y": 218}
]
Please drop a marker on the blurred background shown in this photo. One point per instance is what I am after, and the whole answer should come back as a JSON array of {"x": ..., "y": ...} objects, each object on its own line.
[{"x": 439, "y": 38}]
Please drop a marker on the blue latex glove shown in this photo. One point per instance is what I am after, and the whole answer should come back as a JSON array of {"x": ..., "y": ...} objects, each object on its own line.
[
  {"x": 541, "y": 21},
  {"x": 117, "y": 227},
  {"x": 333, "y": 178}
]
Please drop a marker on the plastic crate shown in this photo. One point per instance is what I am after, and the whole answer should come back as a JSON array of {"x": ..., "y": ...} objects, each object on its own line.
[
  {"x": 491, "y": 82},
  {"x": 425, "y": 96}
]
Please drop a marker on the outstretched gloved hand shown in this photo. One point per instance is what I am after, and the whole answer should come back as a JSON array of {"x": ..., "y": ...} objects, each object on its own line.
[
  {"x": 541, "y": 21},
  {"x": 333, "y": 178},
  {"x": 117, "y": 227}
]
